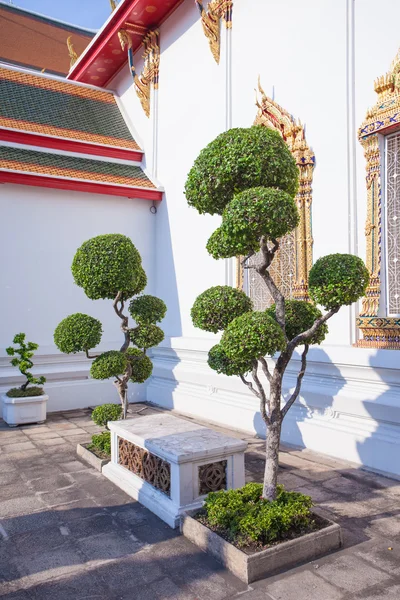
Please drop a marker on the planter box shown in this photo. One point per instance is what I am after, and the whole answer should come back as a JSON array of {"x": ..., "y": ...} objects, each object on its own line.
[
  {"x": 90, "y": 457},
  {"x": 21, "y": 411},
  {"x": 169, "y": 465},
  {"x": 251, "y": 567}
]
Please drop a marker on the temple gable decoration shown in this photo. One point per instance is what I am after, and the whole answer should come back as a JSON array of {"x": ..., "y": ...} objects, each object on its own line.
[{"x": 211, "y": 21}]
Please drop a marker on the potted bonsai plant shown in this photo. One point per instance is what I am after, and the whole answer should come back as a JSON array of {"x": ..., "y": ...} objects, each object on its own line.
[
  {"x": 249, "y": 177},
  {"x": 27, "y": 403},
  {"x": 110, "y": 267}
]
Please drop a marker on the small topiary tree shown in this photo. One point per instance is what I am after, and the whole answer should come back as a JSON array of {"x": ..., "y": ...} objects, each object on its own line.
[
  {"x": 25, "y": 352},
  {"x": 250, "y": 178},
  {"x": 110, "y": 267}
]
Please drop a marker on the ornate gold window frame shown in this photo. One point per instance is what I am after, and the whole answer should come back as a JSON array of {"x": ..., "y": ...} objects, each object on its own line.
[
  {"x": 271, "y": 114},
  {"x": 384, "y": 118}
]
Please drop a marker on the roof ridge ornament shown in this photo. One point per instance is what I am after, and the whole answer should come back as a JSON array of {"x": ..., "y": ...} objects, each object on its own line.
[
  {"x": 211, "y": 21},
  {"x": 71, "y": 50}
]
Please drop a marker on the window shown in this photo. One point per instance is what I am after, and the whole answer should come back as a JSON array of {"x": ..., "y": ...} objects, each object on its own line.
[{"x": 392, "y": 223}]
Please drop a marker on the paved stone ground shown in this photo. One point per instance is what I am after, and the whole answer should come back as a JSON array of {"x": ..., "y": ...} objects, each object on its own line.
[{"x": 68, "y": 533}]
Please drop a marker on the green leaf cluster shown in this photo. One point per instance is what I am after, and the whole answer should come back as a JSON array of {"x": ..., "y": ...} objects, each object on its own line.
[
  {"x": 22, "y": 359},
  {"x": 146, "y": 336},
  {"x": 28, "y": 392},
  {"x": 299, "y": 317},
  {"x": 215, "y": 308},
  {"x": 236, "y": 160},
  {"x": 147, "y": 309},
  {"x": 338, "y": 279},
  {"x": 142, "y": 367},
  {"x": 102, "y": 442},
  {"x": 248, "y": 518},
  {"x": 109, "y": 364},
  {"x": 221, "y": 363},
  {"x": 77, "y": 333},
  {"x": 108, "y": 264},
  {"x": 101, "y": 415},
  {"x": 252, "y": 336},
  {"x": 253, "y": 213}
]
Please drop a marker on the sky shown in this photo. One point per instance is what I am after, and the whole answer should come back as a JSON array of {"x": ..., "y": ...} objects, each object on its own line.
[{"x": 90, "y": 14}]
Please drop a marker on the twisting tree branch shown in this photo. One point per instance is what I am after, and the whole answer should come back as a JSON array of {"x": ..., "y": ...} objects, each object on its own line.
[
  {"x": 93, "y": 356},
  {"x": 305, "y": 335},
  {"x": 268, "y": 256},
  {"x": 250, "y": 386},
  {"x": 300, "y": 376},
  {"x": 262, "y": 396},
  {"x": 118, "y": 305},
  {"x": 265, "y": 369}
]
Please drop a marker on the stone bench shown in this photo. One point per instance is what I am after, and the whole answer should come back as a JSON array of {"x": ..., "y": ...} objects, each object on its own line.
[{"x": 170, "y": 464}]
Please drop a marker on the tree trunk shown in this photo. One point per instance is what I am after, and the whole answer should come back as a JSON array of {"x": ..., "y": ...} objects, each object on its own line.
[{"x": 272, "y": 460}]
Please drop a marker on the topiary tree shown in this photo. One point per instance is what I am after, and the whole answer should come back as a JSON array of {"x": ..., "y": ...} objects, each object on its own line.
[
  {"x": 250, "y": 178},
  {"x": 110, "y": 267},
  {"x": 22, "y": 356}
]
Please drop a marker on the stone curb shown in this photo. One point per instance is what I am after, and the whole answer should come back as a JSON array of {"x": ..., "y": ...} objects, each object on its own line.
[
  {"x": 89, "y": 457},
  {"x": 252, "y": 567}
]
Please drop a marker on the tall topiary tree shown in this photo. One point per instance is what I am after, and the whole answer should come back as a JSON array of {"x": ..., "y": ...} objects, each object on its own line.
[
  {"x": 250, "y": 178},
  {"x": 110, "y": 267}
]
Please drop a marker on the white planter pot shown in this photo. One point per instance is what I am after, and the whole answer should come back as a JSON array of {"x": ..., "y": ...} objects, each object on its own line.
[{"x": 18, "y": 411}]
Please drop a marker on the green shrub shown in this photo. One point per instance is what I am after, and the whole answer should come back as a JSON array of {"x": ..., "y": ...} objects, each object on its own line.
[
  {"x": 142, "y": 367},
  {"x": 251, "y": 336},
  {"x": 109, "y": 364},
  {"x": 108, "y": 264},
  {"x": 250, "y": 215},
  {"x": 102, "y": 442},
  {"x": 147, "y": 309},
  {"x": 215, "y": 308},
  {"x": 22, "y": 359},
  {"x": 107, "y": 412},
  {"x": 219, "y": 362},
  {"x": 146, "y": 336},
  {"x": 237, "y": 160},
  {"x": 300, "y": 316},
  {"x": 26, "y": 393},
  {"x": 338, "y": 279},
  {"x": 246, "y": 517},
  {"x": 77, "y": 333}
]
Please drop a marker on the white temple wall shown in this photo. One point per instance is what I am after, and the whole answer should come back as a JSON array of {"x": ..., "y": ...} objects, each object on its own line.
[{"x": 39, "y": 236}]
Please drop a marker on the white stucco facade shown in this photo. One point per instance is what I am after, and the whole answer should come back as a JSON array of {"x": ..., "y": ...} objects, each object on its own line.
[{"x": 320, "y": 58}]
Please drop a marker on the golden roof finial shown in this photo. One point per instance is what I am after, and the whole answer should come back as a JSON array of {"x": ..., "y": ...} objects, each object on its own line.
[
  {"x": 72, "y": 54},
  {"x": 113, "y": 5}
]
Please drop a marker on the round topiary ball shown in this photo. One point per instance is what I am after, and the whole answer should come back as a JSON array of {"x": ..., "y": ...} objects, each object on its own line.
[
  {"x": 77, "y": 333},
  {"x": 215, "y": 308},
  {"x": 338, "y": 279},
  {"x": 219, "y": 362},
  {"x": 147, "y": 309},
  {"x": 146, "y": 336},
  {"x": 107, "y": 412},
  {"x": 236, "y": 160},
  {"x": 142, "y": 367},
  {"x": 109, "y": 364},
  {"x": 108, "y": 264},
  {"x": 300, "y": 316},
  {"x": 252, "y": 336}
]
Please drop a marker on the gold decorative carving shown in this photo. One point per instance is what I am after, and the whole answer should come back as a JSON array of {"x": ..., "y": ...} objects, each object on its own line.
[
  {"x": 382, "y": 118},
  {"x": 150, "y": 71},
  {"x": 72, "y": 54},
  {"x": 212, "y": 477},
  {"x": 145, "y": 465},
  {"x": 272, "y": 115},
  {"x": 211, "y": 21}
]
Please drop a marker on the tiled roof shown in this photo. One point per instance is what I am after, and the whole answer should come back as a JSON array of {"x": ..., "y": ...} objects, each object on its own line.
[
  {"x": 37, "y": 104},
  {"x": 72, "y": 167},
  {"x": 38, "y": 42}
]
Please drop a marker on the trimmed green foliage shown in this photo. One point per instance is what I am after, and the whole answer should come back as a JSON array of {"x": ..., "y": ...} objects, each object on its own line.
[
  {"x": 219, "y": 362},
  {"x": 252, "y": 336},
  {"x": 254, "y": 213},
  {"x": 300, "y": 316},
  {"x": 215, "y": 308},
  {"x": 248, "y": 518},
  {"x": 235, "y": 161},
  {"x": 108, "y": 264},
  {"x": 108, "y": 412},
  {"x": 146, "y": 336},
  {"x": 102, "y": 442},
  {"x": 77, "y": 333},
  {"x": 109, "y": 364},
  {"x": 147, "y": 309},
  {"x": 338, "y": 279},
  {"x": 26, "y": 393},
  {"x": 142, "y": 367},
  {"x": 22, "y": 359}
]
